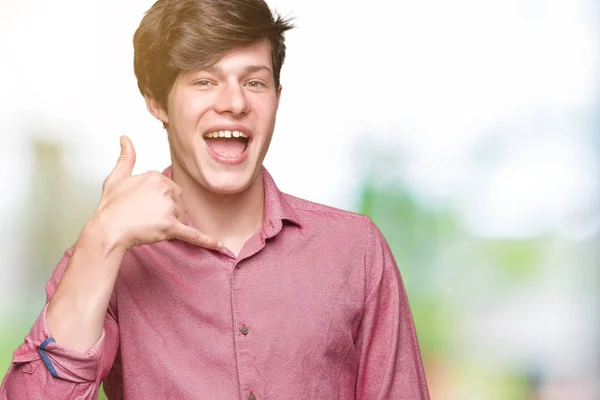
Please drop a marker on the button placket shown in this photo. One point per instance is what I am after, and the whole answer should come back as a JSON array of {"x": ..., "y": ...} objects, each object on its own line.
[{"x": 245, "y": 369}]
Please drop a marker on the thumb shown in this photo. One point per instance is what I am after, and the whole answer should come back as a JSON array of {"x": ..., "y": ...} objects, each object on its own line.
[{"x": 126, "y": 161}]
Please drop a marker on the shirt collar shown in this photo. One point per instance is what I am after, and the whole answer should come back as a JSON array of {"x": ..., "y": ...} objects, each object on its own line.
[{"x": 277, "y": 208}]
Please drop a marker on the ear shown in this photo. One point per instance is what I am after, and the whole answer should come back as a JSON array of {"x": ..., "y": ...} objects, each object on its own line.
[
  {"x": 278, "y": 95},
  {"x": 156, "y": 109}
]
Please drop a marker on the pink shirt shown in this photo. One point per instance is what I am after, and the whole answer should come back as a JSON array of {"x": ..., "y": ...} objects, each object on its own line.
[{"x": 313, "y": 307}]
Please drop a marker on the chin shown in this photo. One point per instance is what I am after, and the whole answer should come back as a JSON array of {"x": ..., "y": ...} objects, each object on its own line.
[{"x": 229, "y": 182}]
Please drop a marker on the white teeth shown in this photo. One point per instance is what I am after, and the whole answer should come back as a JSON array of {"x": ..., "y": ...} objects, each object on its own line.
[{"x": 226, "y": 134}]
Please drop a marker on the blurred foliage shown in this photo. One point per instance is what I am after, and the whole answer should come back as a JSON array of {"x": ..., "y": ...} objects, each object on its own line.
[
  {"x": 449, "y": 273},
  {"x": 414, "y": 235},
  {"x": 9, "y": 340},
  {"x": 57, "y": 207},
  {"x": 519, "y": 260},
  {"x": 101, "y": 395},
  {"x": 59, "y": 204}
]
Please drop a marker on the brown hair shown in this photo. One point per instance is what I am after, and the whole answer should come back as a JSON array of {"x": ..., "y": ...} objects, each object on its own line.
[{"x": 180, "y": 35}]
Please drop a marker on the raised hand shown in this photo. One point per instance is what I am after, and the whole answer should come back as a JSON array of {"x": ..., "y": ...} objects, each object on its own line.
[{"x": 146, "y": 208}]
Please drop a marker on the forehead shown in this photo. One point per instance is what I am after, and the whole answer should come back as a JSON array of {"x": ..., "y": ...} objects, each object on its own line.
[{"x": 255, "y": 55}]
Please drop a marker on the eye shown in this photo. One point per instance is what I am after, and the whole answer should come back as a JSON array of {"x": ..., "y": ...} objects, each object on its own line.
[
  {"x": 255, "y": 84},
  {"x": 203, "y": 83}
]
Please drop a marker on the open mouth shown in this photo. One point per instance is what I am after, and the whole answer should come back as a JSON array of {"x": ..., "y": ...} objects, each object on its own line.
[{"x": 227, "y": 144}]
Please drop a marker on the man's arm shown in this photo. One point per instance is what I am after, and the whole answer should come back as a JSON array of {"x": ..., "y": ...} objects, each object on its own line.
[
  {"x": 43, "y": 369},
  {"x": 390, "y": 361},
  {"x": 74, "y": 342}
]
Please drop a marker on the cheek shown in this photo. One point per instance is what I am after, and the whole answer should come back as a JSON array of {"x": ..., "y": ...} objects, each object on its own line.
[
  {"x": 267, "y": 110},
  {"x": 189, "y": 109}
]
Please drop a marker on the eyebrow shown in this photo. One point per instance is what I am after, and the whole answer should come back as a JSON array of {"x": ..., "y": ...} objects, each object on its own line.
[{"x": 248, "y": 69}]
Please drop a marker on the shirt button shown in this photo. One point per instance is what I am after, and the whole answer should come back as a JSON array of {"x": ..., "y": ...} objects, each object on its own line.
[
  {"x": 252, "y": 397},
  {"x": 244, "y": 329}
]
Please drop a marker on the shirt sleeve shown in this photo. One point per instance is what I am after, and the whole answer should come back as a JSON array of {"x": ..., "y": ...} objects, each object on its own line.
[
  {"x": 42, "y": 369},
  {"x": 390, "y": 361}
]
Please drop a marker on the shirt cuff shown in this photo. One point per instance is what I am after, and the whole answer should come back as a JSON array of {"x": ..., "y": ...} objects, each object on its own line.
[{"x": 61, "y": 362}]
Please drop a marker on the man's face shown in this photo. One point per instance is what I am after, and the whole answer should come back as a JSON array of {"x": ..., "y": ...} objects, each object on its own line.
[{"x": 221, "y": 120}]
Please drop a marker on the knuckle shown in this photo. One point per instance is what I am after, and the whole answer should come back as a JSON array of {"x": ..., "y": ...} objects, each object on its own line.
[
  {"x": 195, "y": 236},
  {"x": 167, "y": 234},
  {"x": 172, "y": 209},
  {"x": 151, "y": 176},
  {"x": 165, "y": 230},
  {"x": 163, "y": 188},
  {"x": 156, "y": 175}
]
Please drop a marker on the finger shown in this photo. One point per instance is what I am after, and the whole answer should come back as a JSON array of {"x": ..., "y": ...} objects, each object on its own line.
[
  {"x": 125, "y": 163},
  {"x": 181, "y": 214},
  {"x": 195, "y": 237},
  {"x": 175, "y": 189},
  {"x": 176, "y": 195}
]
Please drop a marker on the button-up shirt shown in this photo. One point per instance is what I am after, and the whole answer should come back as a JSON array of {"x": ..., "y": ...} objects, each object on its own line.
[{"x": 312, "y": 307}]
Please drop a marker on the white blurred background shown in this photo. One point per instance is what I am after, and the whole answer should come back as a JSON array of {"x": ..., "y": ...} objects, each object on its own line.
[{"x": 468, "y": 130}]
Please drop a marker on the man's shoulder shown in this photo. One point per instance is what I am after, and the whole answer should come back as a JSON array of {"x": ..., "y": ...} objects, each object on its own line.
[{"x": 317, "y": 214}]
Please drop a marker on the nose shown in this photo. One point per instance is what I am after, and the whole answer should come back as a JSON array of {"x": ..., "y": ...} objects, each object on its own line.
[{"x": 232, "y": 99}]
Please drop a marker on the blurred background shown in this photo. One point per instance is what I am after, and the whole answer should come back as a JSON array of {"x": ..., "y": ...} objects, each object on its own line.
[{"x": 468, "y": 130}]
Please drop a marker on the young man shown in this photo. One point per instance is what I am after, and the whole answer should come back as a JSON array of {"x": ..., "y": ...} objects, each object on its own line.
[{"x": 205, "y": 281}]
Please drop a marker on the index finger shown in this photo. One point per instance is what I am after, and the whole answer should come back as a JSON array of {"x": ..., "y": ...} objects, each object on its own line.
[{"x": 195, "y": 237}]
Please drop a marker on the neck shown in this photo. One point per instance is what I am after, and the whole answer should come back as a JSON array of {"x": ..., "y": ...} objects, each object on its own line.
[{"x": 230, "y": 218}]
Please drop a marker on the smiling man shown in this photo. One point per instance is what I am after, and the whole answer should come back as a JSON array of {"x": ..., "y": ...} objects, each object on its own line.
[{"x": 205, "y": 281}]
